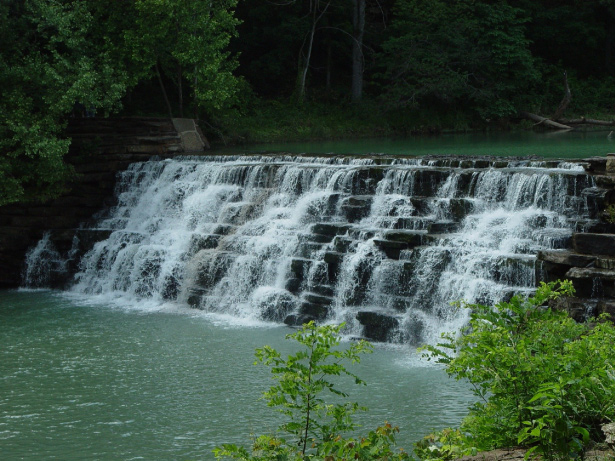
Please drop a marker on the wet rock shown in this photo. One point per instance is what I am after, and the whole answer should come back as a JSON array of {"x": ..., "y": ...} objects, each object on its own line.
[
  {"x": 330, "y": 229},
  {"x": 298, "y": 319},
  {"x": 580, "y": 309},
  {"x": 200, "y": 242},
  {"x": 275, "y": 306},
  {"x": 314, "y": 311},
  {"x": 410, "y": 238},
  {"x": 592, "y": 282},
  {"x": 224, "y": 229},
  {"x": 292, "y": 285},
  {"x": 411, "y": 223},
  {"x": 391, "y": 249},
  {"x": 333, "y": 260},
  {"x": 355, "y": 208},
  {"x": 323, "y": 290},
  {"x": 308, "y": 249},
  {"x": 606, "y": 307},
  {"x": 377, "y": 326},
  {"x": 363, "y": 181},
  {"x": 459, "y": 208},
  {"x": 300, "y": 267},
  {"x": 443, "y": 227},
  {"x": 342, "y": 244},
  {"x": 211, "y": 266},
  {"x": 87, "y": 238},
  {"x": 313, "y": 298}
]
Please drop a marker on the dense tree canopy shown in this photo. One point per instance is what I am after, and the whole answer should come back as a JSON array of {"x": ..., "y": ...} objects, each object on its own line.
[
  {"x": 491, "y": 57},
  {"x": 58, "y": 55}
]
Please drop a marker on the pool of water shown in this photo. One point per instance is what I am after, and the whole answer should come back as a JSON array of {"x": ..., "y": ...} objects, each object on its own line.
[
  {"x": 80, "y": 380},
  {"x": 560, "y": 144}
]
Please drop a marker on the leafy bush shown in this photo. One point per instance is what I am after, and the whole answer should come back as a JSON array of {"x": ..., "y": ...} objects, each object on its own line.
[
  {"x": 315, "y": 427},
  {"x": 543, "y": 380}
]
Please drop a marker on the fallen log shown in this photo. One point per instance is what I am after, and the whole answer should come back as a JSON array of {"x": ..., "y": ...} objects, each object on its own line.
[
  {"x": 544, "y": 121},
  {"x": 586, "y": 121}
]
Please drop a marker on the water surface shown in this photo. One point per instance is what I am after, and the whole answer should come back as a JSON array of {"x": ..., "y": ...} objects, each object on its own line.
[
  {"x": 85, "y": 381},
  {"x": 560, "y": 144}
]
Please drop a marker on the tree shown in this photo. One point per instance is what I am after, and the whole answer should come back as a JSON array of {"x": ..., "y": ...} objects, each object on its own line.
[
  {"x": 47, "y": 64},
  {"x": 471, "y": 53},
  {"x": 315, "y": 425},
  {"x": 358, "y": 23},
  {"x": 56, "y": 54},
  {"x": 186, "y": 40}
]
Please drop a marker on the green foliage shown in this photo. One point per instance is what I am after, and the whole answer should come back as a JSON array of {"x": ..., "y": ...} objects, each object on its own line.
[
  {"x": 317, "y": 416},
  {"x": 542, "y": 379},
  {"x": 48, "y": 61},
  {"x": 610, "y": 213},
  {"x": 445, "y": 445},
  {"x": 56, "y": 53},
  {"x": 187, "y": 41}
]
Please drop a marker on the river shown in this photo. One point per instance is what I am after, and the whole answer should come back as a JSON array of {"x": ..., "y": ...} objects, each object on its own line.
[{"x": 80, "y": 380}]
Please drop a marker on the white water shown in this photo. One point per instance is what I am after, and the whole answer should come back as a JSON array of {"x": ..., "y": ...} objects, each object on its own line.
[{"x": 240, "y": 236}]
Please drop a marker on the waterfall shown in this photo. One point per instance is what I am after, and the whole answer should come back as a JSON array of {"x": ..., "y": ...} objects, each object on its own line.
[{"x": 384, "y": 244}]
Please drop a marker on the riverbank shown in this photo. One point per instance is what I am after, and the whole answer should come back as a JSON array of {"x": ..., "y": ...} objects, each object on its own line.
[
  {"x": 281, "y": 121},
  {"x": 272, "y": 121}
]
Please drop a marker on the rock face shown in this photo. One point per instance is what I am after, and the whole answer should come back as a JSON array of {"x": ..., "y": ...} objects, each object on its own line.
[
  {"x": 383, "y": 244},
  {"x": 100, "y": 148}
]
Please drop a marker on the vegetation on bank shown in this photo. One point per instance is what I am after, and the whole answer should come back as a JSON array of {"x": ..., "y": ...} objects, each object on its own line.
[{"x": 542, "y": 381}]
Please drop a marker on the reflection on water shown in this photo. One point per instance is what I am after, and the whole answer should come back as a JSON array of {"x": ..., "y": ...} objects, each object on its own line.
[{"x": 83, "y": 381}]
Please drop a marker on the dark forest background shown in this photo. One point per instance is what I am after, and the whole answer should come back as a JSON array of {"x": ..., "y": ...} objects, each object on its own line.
[{"x": 265, "y": 70}]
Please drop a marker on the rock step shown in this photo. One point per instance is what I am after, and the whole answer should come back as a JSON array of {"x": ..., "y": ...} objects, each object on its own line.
[{"x": 594, "y": 244}]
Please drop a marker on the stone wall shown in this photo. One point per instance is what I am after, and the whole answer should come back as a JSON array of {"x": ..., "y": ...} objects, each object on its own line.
[{"x": 100, "y": 148}]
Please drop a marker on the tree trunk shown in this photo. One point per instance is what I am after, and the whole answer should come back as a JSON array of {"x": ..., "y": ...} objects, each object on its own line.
[
  {"x": 565, "y": 101},
  {"x": 316, "y": 17},
  {"x": 180, "y": 95},
  {"x": 358, "y": 24},
  {"x": 164, "y": 91}
]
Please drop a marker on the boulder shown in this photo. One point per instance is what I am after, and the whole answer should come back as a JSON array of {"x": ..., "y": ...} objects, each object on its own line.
[{"x": 377, "y": 326}]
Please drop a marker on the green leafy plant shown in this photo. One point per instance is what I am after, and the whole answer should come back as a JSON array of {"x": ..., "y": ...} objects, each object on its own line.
[
  {"x": 315, "y": 427},
  {"x": 610, "y": 213},
  {"x": 447, "y": 444},
  {"x": 542, "y": 380}
]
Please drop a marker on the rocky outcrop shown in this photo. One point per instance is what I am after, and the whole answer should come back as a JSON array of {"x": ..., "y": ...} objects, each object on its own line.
[{"x": 100, "y": 148}]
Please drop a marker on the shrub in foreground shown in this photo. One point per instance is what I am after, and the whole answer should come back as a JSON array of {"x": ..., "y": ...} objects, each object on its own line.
[
  {"x": 317, "y": 419},
  {"x": 543, "y": 381}
]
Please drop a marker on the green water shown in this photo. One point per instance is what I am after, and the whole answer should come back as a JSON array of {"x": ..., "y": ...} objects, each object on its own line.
[
  {"x": 572, "y": 144},
  {"x": 81, "y": 381}
]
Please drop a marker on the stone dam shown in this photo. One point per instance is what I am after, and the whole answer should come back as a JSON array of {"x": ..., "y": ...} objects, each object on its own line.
[{"x": 381, "y": 243}]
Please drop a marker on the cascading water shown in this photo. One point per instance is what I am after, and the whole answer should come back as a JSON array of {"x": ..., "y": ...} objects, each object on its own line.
[{"x": 383, "y": 244}]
